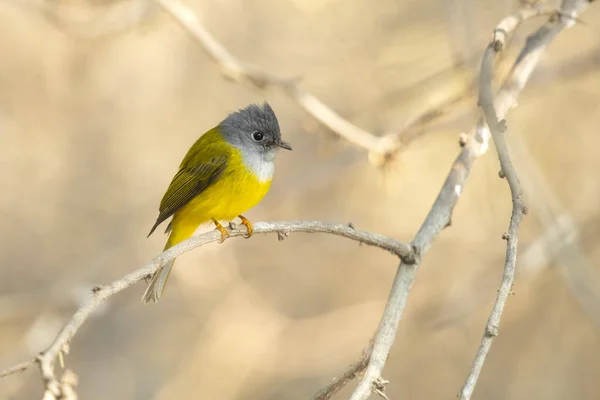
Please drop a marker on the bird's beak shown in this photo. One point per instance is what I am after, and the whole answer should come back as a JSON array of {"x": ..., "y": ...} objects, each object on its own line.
[{"x": 284, "y": 145}]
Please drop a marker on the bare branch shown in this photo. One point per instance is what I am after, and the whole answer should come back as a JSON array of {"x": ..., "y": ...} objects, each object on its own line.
[
  {"x": 17, "y": 368},
  {"x": 532, "y": 51},
  {"x": 378, "y": 147},
  {"x": 374, "y": 357},
  {"x": 47, "y": 359},
  {"x": 441, "y": 212},
  {"x": 560, "y": 244},
  {"x": 437, "y": 219},
  {"x": 352, "y": 372}
]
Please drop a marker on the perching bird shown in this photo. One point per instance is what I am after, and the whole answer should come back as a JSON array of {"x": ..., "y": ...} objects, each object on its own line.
[{"x": 227, "y": 171}]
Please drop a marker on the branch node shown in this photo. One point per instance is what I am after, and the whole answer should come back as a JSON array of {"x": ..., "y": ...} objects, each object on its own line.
[
  {"x": 498, "y": 44},
  {"x": 449, "y": 222},
  {"x": 96, "y": 288},
  {"x": 501, "y": 126},
  {"x": 282, "y": 235},
  {"x": 501, "y": 174},
  {"x": 462, "y": 139},
  {"x": 261, "y": 82},
  {"x": 379, "y": 387},
  {"x": 506, "y": 236},
  {"x": 413, "y": 257},
  {"x": 351, "y": 225},
  {"x": 491, "y": 331}
]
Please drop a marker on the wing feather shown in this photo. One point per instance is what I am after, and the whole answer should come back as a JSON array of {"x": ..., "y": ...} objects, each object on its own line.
[{"x": 196, "y": 173}]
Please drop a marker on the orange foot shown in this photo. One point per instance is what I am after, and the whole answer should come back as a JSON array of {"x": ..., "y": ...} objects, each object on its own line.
[
  {"x": 224, "y": 233},
  {"x": 248, "y": 225}
]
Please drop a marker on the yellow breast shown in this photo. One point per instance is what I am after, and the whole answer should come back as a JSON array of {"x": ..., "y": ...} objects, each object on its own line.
[{"x": 237, "y": 190}]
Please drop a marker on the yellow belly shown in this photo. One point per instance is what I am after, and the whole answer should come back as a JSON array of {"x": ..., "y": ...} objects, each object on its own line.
[{"x": 235, "y": 192}]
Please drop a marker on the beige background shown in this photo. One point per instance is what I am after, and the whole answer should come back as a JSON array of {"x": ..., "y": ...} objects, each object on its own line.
[{"x": 93, "y": 128}]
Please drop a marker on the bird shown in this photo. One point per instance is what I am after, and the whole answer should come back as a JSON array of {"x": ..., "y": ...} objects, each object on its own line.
[{"x": 225, "y": 173}]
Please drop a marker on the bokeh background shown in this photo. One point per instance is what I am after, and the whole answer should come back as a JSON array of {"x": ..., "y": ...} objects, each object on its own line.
[{"x": 96, "y": 112}]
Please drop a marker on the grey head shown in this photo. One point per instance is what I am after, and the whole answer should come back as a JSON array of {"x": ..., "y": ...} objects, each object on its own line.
[{"x": 255, "y": 131}]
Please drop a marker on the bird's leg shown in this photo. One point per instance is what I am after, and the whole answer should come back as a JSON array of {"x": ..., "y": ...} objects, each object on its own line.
[
  {"x": 247, "y": 224},
  {"x": 224, "y": 233}
]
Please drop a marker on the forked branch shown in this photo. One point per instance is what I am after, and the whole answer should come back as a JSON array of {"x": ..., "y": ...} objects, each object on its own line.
[
  {"x": 47, "y": 359},
  {"x": 439, "y": 217},
  {"x": 379, "y": 148},
  {"x": 536, "y": 44}
]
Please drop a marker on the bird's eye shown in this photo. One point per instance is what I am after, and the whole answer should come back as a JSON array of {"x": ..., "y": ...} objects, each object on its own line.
[{"x": 258, "y": 136}]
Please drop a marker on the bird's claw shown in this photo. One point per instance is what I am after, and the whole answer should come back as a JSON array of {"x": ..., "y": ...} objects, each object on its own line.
[
  {"x": 224, "y": 233},
  {"x": 248, "y": 226}
]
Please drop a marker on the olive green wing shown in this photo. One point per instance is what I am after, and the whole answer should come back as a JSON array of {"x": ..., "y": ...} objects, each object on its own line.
[{"x": 189, "y": 182}]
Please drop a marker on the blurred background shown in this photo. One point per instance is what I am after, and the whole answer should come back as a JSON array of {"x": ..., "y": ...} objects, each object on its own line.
[{"x": 100, "y": 100}]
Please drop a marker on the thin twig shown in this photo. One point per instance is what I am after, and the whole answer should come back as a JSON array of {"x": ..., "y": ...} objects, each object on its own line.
[
  {"x": 560, "y": 244},
  {"x": 47, "y": 359},
  {"x": 17, "y": 368},
  {"x": 533, "y": 50},
  {"x": 378, "y": 147},
  {"x": 352, "y": 372}
]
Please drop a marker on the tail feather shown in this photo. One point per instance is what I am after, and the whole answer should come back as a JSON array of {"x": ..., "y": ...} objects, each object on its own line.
[
  {"x": 159, "y": 279},
  {"x": 157, "y": 284}
]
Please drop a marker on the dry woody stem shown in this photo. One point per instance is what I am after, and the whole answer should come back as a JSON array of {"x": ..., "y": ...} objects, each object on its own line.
[
  {"x": 54, "y": 387},
  {"x": 532, "y": 51},
  {"x": 439, "y": 216},
  {"x": 473, "y": 146},
  {"x": 379, "y": 148}
]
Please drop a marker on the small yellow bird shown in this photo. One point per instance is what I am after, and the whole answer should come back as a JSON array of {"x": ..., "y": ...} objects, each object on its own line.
[{"x": 225, "y": 173}]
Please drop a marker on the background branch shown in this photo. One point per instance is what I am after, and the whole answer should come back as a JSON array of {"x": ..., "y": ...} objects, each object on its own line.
[
  {"x": 380, "y": 148},
  {"x": 560, "y": 241},
  {"x": 17, "y": 368},
  {"x": 440, "y": 214},
  {"x": 534, "y": 48},
  {"x": 437, "y": 219},
  {"x": 352, "y": 372}
]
